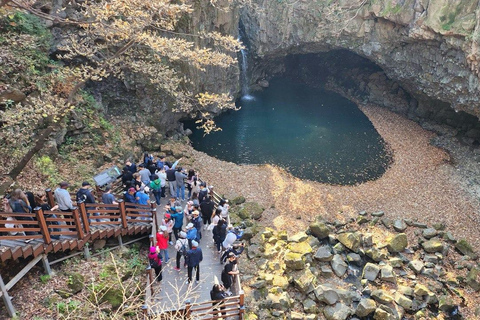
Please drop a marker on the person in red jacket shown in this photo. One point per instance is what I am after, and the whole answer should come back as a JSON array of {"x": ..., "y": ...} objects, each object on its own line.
[{"x": 162, "y": 242}]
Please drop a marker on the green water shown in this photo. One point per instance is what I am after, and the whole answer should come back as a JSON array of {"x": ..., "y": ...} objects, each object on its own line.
[{"x": 312, "y": 133}]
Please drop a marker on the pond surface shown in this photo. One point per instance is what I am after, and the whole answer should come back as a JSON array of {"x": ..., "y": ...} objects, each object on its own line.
[{"x": 312, "y": 133}]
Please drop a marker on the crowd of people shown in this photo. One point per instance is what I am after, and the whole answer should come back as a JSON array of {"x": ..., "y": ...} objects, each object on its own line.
[{"x": 182, "y": 228}]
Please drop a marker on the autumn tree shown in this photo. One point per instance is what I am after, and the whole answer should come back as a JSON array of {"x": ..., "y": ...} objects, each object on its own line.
[{"x": 107, "y": 39}]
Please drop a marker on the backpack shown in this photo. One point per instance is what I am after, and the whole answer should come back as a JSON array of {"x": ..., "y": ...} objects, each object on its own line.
[
  {"x": 155, "y": 263},
  {"x": 183, "y": 249},
  {"x": 155, "y": 186}
]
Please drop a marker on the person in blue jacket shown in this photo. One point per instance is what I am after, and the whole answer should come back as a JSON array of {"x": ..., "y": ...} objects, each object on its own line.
[
  {"x": 178, "y": 218},
  {"x": 194, "y": 257}
]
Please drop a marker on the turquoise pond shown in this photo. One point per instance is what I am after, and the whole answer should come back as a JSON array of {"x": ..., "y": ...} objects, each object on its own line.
[{"x": 312, "y": 133}]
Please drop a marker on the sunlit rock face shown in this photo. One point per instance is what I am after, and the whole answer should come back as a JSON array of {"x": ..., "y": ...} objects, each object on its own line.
[{"x": 429, "y": 47}]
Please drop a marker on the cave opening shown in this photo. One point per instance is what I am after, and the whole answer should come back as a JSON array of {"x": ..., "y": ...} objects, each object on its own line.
[{"x": 298, "y": 124}]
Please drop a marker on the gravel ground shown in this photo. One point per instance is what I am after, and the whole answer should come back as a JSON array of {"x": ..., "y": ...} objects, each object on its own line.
[{"x": 422, "y": 184}]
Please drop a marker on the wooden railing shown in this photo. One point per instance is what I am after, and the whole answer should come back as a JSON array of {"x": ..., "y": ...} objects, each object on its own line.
[{"x": 49, "y": 225}]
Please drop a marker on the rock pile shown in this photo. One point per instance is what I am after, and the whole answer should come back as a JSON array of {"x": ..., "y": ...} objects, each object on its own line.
[{"x": 371, "y": 267}]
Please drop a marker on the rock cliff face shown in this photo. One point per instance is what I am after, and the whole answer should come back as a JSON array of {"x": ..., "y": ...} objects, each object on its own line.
[{"x": 431, "y": 48}]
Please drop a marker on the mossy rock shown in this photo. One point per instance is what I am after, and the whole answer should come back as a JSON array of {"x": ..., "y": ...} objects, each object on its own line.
[
  {"x": 250, "y": 210},
  {"x": 114, "y": 296},
  {"x": 238, "y": 200},
  {"x": 465, "y": 248},
  {"x": 319, "y": 229},
  {"x": 248, "y": 233},
  {"x": 76, "y": 282}
]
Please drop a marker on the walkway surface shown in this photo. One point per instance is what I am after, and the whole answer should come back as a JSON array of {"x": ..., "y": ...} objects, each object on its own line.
[{"x": 174, "y": 291}]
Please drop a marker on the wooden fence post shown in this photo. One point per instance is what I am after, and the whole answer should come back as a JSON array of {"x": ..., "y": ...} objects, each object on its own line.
[
  {"x": 145, "y": 311},
  {"x": 153, "y": 210},
  {"x": 6, "y": 299},
  {"x": 123, "y": 213},
  {"x": 83, "y": 213},
  {"x": 151, "y": 279},
  {"x": 78, "y": 224},
  {"x": 241, "y": 310},
  {"x": 188, "y": 309},
  {"x": 43, "y": 225},
  {"x": 152, "y": 240},
  {"x": 50, "y": 198}
]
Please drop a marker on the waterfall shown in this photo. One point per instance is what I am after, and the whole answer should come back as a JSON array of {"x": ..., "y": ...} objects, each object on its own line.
[{"x": 245, "y": 91}]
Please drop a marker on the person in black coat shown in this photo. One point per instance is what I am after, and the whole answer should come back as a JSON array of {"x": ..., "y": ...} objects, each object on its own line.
[
  {"x": 229, "y": 271},
  {"x": 207, "y": 207},
  {"x": 219, "y": 233},
  {"x": 217, "y": 295}
]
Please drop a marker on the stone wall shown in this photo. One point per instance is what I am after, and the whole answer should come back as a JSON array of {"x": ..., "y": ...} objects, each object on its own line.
[{"x": 429, "y": 47}]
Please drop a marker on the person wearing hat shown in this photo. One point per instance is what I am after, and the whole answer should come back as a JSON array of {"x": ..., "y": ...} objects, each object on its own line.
[
  {"x": 84, "y": 195},
  {"x": 194, "y": 257},
  {"x": 197, "y": 223},
  {"x": 191, "y": 234},
  {"x": 155, "y": 261},
  {"x": 229, "y": 272},
  {"x": 162, "y": 242},
  {"x": 182, "y": 247},
  {"x": 130, "y": 195},
  {"x": 168, "y": 223}
]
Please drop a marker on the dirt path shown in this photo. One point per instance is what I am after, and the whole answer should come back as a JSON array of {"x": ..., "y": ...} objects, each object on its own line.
[{"x": 421, "y": 185}]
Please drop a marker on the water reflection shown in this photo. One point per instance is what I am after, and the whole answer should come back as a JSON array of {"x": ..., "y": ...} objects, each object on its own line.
[{"x": 312, "y": 133}]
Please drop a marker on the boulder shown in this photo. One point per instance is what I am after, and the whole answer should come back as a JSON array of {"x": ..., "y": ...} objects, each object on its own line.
[
  {"x": 378, "y": 214},
  {"x": 387, "y": 274},
  {"x": 365, "y": 307},
  {"x": 429, "y": 233},
  {"x": 397, "y": 243},
  {"x": 298, "y": 237},
  {"x": 416, "y": 266},
  {"x": 339, "y": 311},
  {"x": 370, "y": 271},
  {"x": 278, "y": 301},
  {"x": 305, "y": 281},
  {"x": 76, "y": 282},
  {"x": 473, "y": 278},
  {"x": 300, "y": 247},
  {"x": 381, "y": 314},
  {"x": 250, "y": 210},
  {"x": 294, "y": 260},
  {"x": 319, "y": 230},
  {"x": 339, "y": 266},
  {"x": 433, "y": 245},
  {"x": 310, "y": 306},
  {"x": 238, "y": 200},
  {"x": 403, "y": 301},
  {"x": 420, "y": 290},
  {"x": 326, "y": 295},
  {"x": 399, "y": 225},
  {"x": 323, "y": 254},
  {"x": 351, "y": 240},
  {"x": 396, "y": 262},
  {"x": 280, "y": 281},
  {"x": 465, "y": 248},
  {"x": 381, "y": 296}
]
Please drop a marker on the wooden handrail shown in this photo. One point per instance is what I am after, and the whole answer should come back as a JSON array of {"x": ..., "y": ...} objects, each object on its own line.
[{"x": 43, "y": 225}]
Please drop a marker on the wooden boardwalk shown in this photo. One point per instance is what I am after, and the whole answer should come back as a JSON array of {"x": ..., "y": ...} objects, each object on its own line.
[{"x": 173, "y": 294}]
